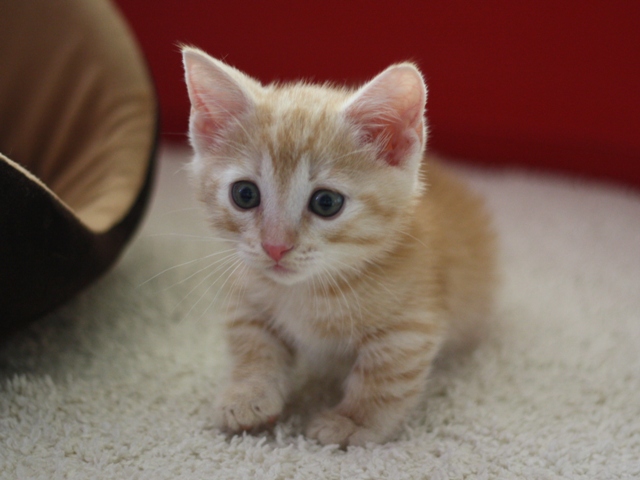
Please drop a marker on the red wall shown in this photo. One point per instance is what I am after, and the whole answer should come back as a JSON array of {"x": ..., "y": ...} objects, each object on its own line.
[{"x": 546, "y": 84}]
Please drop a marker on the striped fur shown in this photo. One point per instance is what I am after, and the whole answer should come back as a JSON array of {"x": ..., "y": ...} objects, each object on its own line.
[{"x": 405, "y": 265}]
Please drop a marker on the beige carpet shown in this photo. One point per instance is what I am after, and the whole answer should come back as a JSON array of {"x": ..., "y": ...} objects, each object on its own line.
[{"x": 119, "y": 383}]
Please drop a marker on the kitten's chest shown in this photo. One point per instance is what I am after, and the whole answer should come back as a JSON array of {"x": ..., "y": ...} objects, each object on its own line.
[{"x": 314, "y": 320}]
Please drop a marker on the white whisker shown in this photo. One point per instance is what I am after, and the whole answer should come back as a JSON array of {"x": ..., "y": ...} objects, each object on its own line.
[
  {"x": 179, "y": 210},
  {"x": 411, "y": 236},
  {"x": 183, "y": 264},
  {"x": 195, "y": 237},
  {"x": 197, "y": 272},
  {"x": 237, "y": 284},
  {"x": 335, "y": 284},
  {"x": 218, "y": 268},
  {"x": 369, "y": 276},
  {"x": 238, "y": 263},
  {"x": 355, "y": 294},
  {"x": 233, "y": 263}
]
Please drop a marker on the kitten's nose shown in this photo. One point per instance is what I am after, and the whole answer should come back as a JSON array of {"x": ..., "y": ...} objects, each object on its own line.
[{"x": 276, "y": 251}]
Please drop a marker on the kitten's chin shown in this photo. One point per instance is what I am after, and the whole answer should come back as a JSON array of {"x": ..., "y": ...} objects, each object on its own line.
[{"x": 283, "y": 275}]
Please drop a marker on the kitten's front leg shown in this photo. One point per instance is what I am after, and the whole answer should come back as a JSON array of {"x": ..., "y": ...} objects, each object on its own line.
[
  {"x": 259, "y": 382},
  {"x": 383, "y": 387}
]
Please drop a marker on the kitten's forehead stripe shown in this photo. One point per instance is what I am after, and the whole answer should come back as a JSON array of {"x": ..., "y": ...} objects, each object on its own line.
[
  {"x": 298, "y": 120},
  {"x": 289, "y": 143}
]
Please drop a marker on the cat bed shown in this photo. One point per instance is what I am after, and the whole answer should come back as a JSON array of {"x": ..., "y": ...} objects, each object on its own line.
[{"x": 78, "y": 123}]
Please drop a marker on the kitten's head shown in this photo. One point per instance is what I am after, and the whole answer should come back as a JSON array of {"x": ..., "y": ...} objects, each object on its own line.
[{"x": 306, "y": 180}]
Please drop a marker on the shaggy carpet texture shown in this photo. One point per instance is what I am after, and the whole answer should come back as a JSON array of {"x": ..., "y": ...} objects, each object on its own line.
[{"x": 119, "y": 383}]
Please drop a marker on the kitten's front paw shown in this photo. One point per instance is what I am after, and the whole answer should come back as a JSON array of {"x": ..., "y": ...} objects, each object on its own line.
[
  {"x": 333, "y": 428},
  {"x": 249, "y": 404}
]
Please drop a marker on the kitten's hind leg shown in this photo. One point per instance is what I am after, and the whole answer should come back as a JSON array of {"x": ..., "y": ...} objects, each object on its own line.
[
  {"x": 383, "y": 387},
  {"x": 260, "y": 377}
]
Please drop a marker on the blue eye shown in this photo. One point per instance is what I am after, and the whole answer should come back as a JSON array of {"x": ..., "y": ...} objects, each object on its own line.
[
  {"x": 326, "y": 203},
  {"x": 245, "y": 194}
]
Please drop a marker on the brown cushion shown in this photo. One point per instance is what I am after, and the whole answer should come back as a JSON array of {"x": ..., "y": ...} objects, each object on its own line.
[{"x": 78, "y": 123}]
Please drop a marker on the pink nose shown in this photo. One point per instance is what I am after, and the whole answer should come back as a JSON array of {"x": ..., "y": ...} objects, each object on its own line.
[{"x": 276, "y": 251}]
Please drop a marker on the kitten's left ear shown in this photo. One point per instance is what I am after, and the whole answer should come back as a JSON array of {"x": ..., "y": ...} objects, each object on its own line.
[{"x": 389, "y": 111}]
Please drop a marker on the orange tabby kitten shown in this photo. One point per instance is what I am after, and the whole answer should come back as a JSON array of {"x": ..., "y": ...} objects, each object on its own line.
[{"x": 349, "y": 246}]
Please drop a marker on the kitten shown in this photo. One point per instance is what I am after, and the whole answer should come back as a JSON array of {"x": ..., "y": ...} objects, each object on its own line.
[{"x": 349, "y": 245}]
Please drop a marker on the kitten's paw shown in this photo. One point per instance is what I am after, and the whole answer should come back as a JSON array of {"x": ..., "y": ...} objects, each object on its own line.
[
  {"x": 247, "y": 405},
  {"x": 333, "y": 428}
]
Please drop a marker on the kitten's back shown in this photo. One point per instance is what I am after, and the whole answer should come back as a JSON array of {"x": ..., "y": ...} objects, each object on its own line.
[{"x": 463, "y": 239}]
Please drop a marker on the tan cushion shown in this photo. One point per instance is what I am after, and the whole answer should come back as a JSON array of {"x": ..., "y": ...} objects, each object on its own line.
[{"x": 75, "y": 104}]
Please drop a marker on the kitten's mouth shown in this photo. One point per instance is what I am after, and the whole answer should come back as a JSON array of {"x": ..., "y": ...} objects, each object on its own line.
[
  {"x": 282, "y": 274},
  {"x": 280, "y": 269}
]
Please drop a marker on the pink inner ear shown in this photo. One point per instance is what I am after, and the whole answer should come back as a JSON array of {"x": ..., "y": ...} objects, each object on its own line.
[
  {"x": 389, "y": 111},
  {"x": 396, "y": 141},
  {"x": 215, "y": 108},
  {"x": 204, "y": 125},
  {"x": 216, "y": 98}
]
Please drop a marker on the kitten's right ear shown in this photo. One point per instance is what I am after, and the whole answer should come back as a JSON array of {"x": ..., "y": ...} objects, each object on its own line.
[{"x": 219, "y": 97}]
